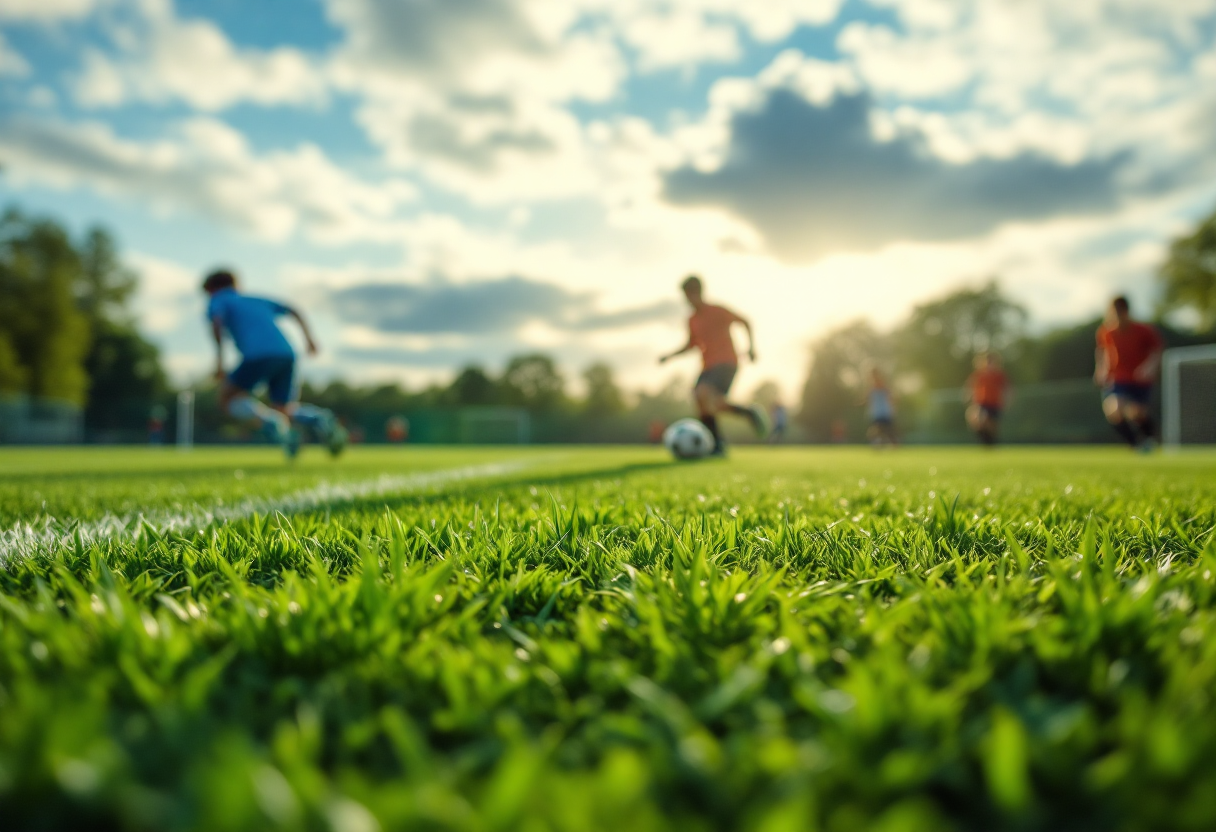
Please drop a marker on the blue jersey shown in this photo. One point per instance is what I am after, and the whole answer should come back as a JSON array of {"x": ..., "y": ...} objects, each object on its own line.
[{"x": 250, "y": 322}]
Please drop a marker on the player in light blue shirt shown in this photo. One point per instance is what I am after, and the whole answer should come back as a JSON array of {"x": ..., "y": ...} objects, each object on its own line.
[{"x": 266, "y": 359}]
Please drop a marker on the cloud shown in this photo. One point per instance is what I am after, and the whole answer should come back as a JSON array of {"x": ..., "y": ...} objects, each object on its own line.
[
  {"x": 814, "y": 179},
  {"x": 45, "y": 11},
  {"x": 208, "y": 168},
  {"x": 11, "y": 62},
  {"x": 482, "y": 307},
  {"x": 162, "y": 58}
]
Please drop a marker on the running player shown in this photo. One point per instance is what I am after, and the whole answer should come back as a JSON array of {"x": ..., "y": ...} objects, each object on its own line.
[
  {"x": 266, "y": 358},
  {"x": 987, "y": 387},
  {"x": 709, "y": 331},
  {"x": 880, "y": 404},
  {"x": 1127, "y": 360}
]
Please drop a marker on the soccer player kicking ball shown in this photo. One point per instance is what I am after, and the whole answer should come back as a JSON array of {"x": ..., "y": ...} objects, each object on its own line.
[
  {"x": 266, "y": 358},
  {"x": 709, "y": 331},
  {"x": 1127, "y": 359},
  {"x": 987, "y": 387}
]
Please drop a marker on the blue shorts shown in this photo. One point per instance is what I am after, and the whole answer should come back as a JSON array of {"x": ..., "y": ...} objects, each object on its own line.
[
  {"x": 277, "y": 372},
  {"x": 1141, "y": 394},
  {"x": 720, "y": 377}
]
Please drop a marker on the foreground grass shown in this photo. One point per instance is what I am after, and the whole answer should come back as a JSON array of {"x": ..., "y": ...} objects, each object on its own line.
[{"x": 788, "y": 640}]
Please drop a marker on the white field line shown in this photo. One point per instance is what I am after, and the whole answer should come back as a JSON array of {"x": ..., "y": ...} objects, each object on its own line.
[{"x": 26, "y": 539}]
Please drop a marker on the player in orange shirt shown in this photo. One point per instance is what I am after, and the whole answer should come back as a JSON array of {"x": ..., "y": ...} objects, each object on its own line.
[
  {"x": 987, "y": 387},
  {"x": 1127, "y": 360},
  {"x": 709, "y": 331}
]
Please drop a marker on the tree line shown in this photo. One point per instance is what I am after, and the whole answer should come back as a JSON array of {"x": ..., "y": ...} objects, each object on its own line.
[{"x": 68, "y": 333}]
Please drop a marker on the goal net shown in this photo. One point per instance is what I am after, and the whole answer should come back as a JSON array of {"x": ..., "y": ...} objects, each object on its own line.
[
  {"x": 494, "y": 426},
  {"x": 1188, "y": 395}
]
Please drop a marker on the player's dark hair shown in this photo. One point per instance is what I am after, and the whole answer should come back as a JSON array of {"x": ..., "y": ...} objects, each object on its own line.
[
  {"x": 219, "y": 279},
  {"x": 690, "y": 281},
  {"x": 1120, "y": 303}
]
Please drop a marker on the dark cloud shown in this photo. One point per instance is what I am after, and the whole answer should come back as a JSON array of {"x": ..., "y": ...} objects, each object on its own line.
[
  {"x": 814, "y": 179},
  {"x": 432, "y": 36},
  {"x": 441, "y": 137},
  {"x": 485, "y": 307}
]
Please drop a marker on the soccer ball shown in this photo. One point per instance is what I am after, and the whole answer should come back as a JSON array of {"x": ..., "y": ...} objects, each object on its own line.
[{"x": 688, "y": 439}]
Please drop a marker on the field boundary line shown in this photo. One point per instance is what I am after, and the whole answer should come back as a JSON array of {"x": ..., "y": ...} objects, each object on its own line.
[{"x": 23, "y": 540}]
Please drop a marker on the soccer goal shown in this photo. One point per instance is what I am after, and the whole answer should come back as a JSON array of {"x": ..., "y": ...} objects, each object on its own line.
[
  {"x": 494, "y": 426},
  {"x": 1188, "y": 395}
]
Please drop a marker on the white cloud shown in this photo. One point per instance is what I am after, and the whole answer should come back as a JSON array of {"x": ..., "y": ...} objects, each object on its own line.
[
  {"x": 11, "y": 62},
  {"x": 45, "y": 11},
  {"x": 208, "y": 168},
  {"x": 162, "y": 58},
  {"x": 168, "y": 293}
]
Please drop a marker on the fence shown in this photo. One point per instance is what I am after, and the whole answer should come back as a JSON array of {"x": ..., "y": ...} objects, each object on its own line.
[{"x": 25, "y": 420}]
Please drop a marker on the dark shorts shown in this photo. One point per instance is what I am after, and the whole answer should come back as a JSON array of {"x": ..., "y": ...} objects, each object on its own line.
[
  {"x": 884, "y": 423},
  {"x": 990, "y": 410},
  {"x": 278, "y": 373},
  {"x": 720, "y": 377},
  {"x": 1138, "y": 393}
]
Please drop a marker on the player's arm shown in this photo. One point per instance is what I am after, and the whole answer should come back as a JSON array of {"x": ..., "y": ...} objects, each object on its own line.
[
  {"x": 299, "y": 319},
  {"x": 751, "y": 340},
  {"x": 663, "y": 359},
  {"x": 1101, "y": 369},
  {"x": 217, "y": 332}
]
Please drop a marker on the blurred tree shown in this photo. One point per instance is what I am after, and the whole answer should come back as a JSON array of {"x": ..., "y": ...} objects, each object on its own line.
[
  {"x": 1189, "y": 273},
  {"x": 39, "y": 316},
  {"x": 603, "y": 396},
  {"x": 471, "y": 387},
  {"x": 941, "y": 337},
  {"x": 767, "y": 394},
  {"x": 125, "y": 378},
  {"x": 12, "y": 374},
  {"x": 834, "y": 385},
  {"x": 533, "y": 381}
]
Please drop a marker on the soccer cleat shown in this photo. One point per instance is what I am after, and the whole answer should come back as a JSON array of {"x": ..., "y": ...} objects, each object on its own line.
[
  {"x": 336, "y": 439},
  {"x": 291, "y": 443},
  {"x": 759, "y": 421}
]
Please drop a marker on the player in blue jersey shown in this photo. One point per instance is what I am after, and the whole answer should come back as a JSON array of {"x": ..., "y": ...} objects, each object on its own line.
[{"x": 266, "y": 359}]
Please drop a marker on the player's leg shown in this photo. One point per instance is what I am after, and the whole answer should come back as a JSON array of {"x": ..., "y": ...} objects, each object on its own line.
[
  {"x": 282, "y": 392},
  {"x": 1136, "y": 411},
  {"x": 1114, "y": 405},
  {"x": 709, "y": 405},
  {"x": 722, "y": 376},
  {"x": 237, "y": 400}
]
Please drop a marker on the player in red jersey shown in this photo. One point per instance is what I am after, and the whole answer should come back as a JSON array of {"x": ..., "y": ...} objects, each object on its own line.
[
  {"x": 709, "y": 331},
  {"x": 987, "y": 387},
  {"x": 1127, "y": 360}
]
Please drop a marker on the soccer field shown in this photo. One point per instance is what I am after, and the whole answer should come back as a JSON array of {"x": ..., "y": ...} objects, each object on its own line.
[{"x": 585, "y": 639}]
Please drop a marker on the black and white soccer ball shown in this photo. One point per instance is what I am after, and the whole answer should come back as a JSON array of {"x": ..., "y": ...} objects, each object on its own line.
[{"x": 688, "y": 439}]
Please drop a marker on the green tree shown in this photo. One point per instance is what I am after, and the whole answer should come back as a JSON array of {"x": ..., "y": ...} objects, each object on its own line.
[
  {"x": 39, "y": 314},
  {"x": 942, "y": 337},
  {"x": 604, "y": 397},
  {"x": 533, "y": 381},
  {"x": 471, "y": 387},
  {"x": 836, "y": 381},
  {"x": 1189, "y": 273}
]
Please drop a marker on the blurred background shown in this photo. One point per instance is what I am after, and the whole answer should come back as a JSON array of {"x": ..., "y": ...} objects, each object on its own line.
[{"x": 485, "y": 207}]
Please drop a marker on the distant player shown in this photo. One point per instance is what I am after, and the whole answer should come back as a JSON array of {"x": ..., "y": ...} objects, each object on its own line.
[
  {"x": 266, "y": 359},
  {"x": 880, "y": 405},
  {"x": 709, "y": 331},
  {"x": 1127, "y": 360},
  {"x": 779, "y": 417},
  {"x": 986, "y": 389}
]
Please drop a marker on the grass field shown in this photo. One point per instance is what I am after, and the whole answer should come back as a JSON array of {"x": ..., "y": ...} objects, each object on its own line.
[{"x": 587, "y": 639}]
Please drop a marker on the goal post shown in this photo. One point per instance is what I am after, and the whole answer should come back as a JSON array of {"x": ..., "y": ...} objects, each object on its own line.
[
  {"x": 1188, "y": 395},
  {"x": 185, "y": 420}
]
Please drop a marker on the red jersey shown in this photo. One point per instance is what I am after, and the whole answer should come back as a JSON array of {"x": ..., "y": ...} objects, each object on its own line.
[
  {"x": 988, "y": 387},
  {"x": 1126, "y": 349},
  {"x": 709, "y": 331}
]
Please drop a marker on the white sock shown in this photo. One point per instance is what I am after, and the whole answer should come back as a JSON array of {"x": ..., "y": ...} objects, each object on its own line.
[{"x": 248, "y": 408}]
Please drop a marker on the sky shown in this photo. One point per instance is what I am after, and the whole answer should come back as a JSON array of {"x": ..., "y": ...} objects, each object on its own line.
[{"x": 444, "y": 182}]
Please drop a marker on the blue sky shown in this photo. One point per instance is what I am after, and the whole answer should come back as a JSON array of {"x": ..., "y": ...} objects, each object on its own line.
[{"x": 439, "y": 182}]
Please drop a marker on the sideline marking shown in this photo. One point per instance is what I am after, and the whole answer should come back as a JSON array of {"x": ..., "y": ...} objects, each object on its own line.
[{"x": 25, "y": 539}]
